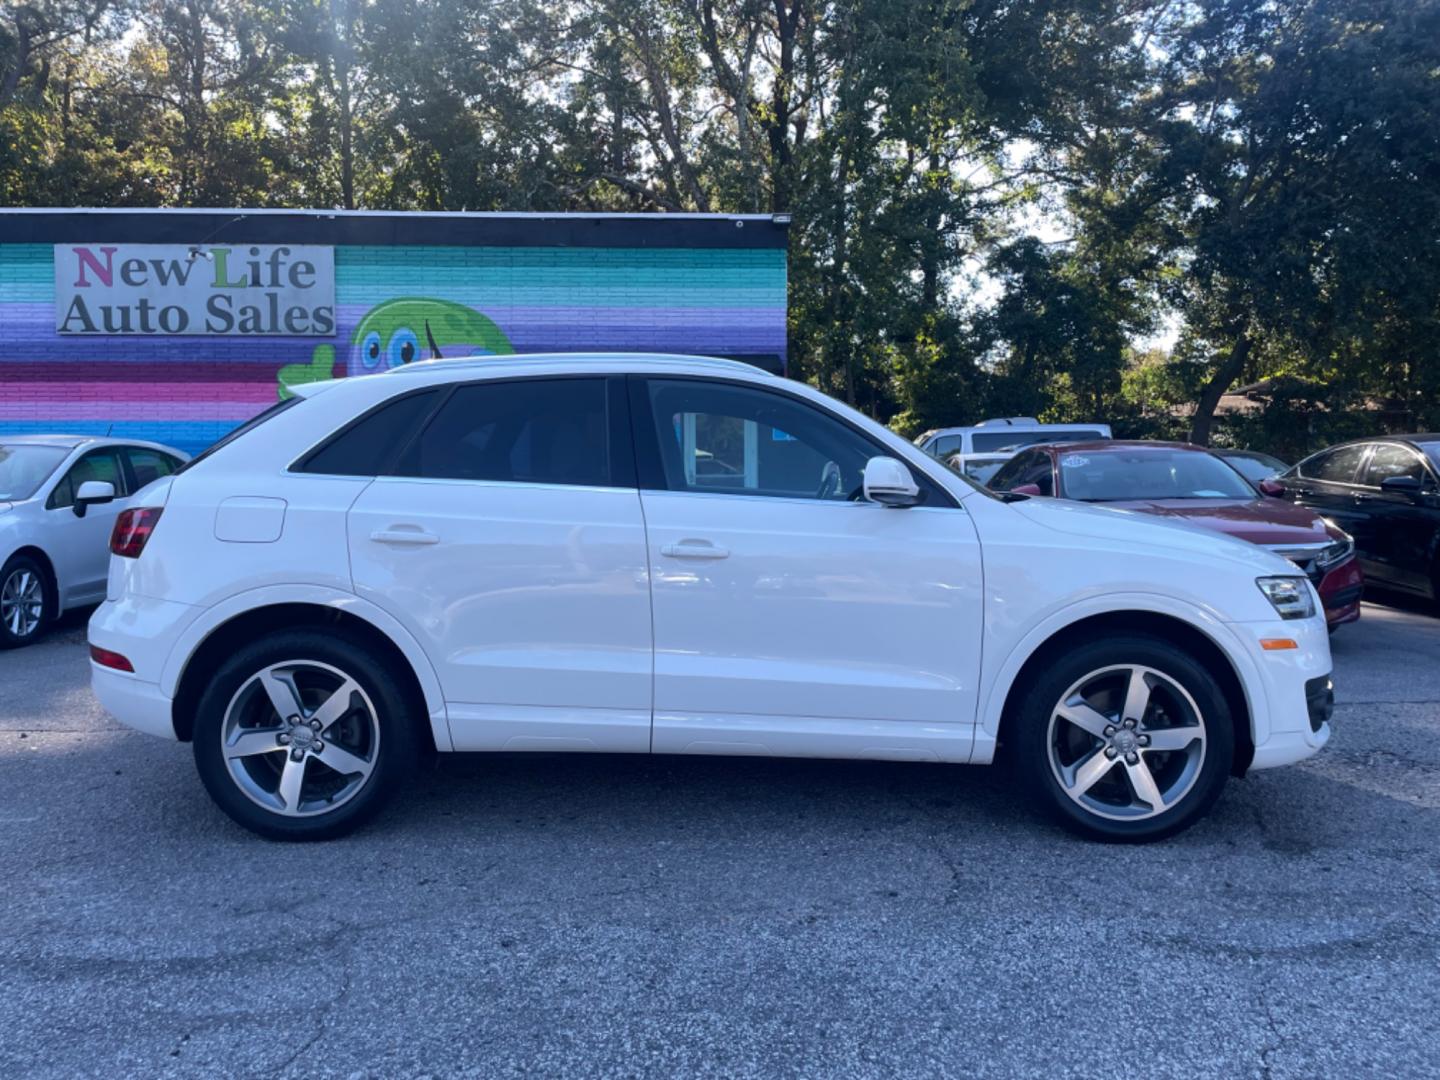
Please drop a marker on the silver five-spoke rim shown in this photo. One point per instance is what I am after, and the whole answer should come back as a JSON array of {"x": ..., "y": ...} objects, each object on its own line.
[
  {"x": 300, "y": 738},
  {"x": 22, "y": 602},
  {"x": 1126, "y": 742}
]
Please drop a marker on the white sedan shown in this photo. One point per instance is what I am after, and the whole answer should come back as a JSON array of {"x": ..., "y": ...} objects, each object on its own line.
[
  {"x": 59, "y": 497},
  {"x": 675, "y": 555}
]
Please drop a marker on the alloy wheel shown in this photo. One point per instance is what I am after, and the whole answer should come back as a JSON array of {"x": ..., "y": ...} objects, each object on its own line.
[
  {"x": 300, "y": 738},
  {"x": 1126, "y": 742},
  {"x": 22, "y": 602}
]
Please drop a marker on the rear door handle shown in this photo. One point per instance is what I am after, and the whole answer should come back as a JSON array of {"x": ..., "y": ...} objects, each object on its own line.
[
  {"x": 694, "y": 549},
  {"x": 404, "y": 534}
]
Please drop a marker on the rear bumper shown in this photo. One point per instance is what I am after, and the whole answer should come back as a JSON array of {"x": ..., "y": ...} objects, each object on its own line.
[
  {"x": 134, "y": 702},
  {"x": 144, "y": 631}
]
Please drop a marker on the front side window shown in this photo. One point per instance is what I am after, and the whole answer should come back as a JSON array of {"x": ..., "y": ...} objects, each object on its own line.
[
  {"x": 1125, "y": 475},
  {"x": 531, "y": 431},
  {"x": 101, "y": 465},
  {"x": 719, "y": 437},
  {"x": 1009, "y": 475},
  {"x": 24, "y": 467},
  {"x": 946, "y": 445},
  {"x": 1391, "y": 460}
]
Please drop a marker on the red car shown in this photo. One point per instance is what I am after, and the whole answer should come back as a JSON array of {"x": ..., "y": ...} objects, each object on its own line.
[{"x": 1191, "y": 484}]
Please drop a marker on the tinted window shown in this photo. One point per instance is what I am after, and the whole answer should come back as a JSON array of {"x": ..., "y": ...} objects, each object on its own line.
[
  {"x": 96, "y": 465},
  {"x": 719, "y": 437},
  {"x": 1256, "y": 467},
  {"x": 1012, "y": 440},
  {"x": 1338, "y": 466},
  {"x": 946, "y": 445},
  {"x": 147, "y": 465},
  {"x": 23, "y": 468},
  {"x": 368, "y": 445},
  {"x": 1390, "y": 460},
  {"x": 1009, "y": 474},
  {"x": 982, "y": 472},
  {"x": 1122, "y": 475},
  {"x": 534, "y": 431}
]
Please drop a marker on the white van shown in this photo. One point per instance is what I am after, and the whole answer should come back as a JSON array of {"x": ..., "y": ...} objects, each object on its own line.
[{"x": 980, "y": 450}]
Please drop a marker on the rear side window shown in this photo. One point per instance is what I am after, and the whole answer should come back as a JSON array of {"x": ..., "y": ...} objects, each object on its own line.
[
  {"x": 147, "y": 465},
  {"x": 1337, "y": 466},
  {"x": 369, "y": 444},
  {"x": 532, "y": 431}
]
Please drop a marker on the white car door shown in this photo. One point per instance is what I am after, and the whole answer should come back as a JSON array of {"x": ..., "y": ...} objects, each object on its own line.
[
  {"x": 509, "y": 540},
  {"x": 791, "y": 616},
  {"x": 78, "y": 546}
]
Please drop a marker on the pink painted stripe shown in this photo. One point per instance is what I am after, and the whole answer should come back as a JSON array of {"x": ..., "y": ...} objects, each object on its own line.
[
  {"x": 157, "y": 408},
  {"x": 253, "y": 393}
]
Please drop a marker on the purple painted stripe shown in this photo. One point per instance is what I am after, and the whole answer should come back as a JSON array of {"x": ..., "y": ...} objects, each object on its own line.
[
  {"x": 72, "y": 390},
  {"x": 158, "y": 410}
]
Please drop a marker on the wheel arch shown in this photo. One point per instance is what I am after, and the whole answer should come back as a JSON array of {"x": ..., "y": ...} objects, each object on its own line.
[
  {"x": 190, "y": 667},
  {"x": 1168, "y": 626},
  {"x": 48, "y": 568}
]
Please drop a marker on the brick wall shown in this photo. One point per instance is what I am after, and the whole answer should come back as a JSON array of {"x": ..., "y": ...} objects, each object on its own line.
[{"x": 188, "y": 391}]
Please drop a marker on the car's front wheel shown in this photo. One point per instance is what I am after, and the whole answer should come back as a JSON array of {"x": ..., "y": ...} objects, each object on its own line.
[
  {"x": 1125, "y": 739},
  {"x": 24, "y": 601},
  {"x": 304, "y": 735}
]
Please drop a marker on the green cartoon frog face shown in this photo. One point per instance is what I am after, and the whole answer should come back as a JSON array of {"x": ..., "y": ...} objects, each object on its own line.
[{"x": 408, "y": 329}]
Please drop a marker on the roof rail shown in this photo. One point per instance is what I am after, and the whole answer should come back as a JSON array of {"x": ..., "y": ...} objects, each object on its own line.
[{"x": 471, "y": 362}]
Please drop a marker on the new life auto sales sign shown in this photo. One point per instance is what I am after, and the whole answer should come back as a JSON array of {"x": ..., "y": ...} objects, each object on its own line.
[{"x": 241, "y": 289}]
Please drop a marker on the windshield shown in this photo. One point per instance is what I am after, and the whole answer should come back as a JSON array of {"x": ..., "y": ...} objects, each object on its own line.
[
  {"x": 1256, "y": 469},
  {"x": 1432, "y": 451},
  {"x": 23, "y": 468},
  {"x": 1123, "y": 475},
  {"x": 1018, "y": 440}
]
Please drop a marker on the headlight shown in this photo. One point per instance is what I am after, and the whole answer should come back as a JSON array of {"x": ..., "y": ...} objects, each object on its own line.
[{"x": 1290, "y": 596}]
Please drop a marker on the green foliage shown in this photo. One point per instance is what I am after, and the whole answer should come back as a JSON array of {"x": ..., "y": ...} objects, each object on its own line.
[{"x": 992, "y": 201}]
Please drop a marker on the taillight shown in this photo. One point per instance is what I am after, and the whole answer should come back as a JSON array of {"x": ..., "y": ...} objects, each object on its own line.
[
  {"x": 132, "y": 531},
  {"x": 106, "y": 658}
]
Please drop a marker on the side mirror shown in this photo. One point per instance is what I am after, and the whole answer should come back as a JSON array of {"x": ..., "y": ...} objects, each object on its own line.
[
  {"x": 1272, "y": 487},
  {"x": 92, "y": 493},
  {"x": 1027, "y": 489},
  {"x": 889, "y": 483},
  {"x": 1401, "y": 485}
]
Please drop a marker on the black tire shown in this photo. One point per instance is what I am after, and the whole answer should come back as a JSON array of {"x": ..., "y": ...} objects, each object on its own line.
[
  {"x": 21, "y": 565},
  {"x": 1197, "y": 786},
  {"x": 394, "y": 751}
]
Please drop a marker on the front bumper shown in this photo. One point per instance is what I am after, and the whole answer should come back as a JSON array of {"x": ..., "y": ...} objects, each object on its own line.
[
  {"x": 1340, "y": 592},
  {"x": 1283, "y": 697}
]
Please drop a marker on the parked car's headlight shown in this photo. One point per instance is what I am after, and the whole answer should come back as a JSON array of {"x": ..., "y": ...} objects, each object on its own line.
[
  {"x": 1290, "y": 596},
  {"x": 1335, "y": 553}
]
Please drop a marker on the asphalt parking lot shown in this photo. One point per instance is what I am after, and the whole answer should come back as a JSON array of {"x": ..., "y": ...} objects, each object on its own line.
[{"x": 675, "y": 917}]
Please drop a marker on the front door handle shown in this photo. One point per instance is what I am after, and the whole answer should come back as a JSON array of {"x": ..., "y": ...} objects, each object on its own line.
[
  {"x": 694, "y": 549},
  {"x": 404, "y": 534}
]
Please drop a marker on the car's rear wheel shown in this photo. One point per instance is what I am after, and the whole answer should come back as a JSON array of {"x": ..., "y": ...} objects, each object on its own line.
[
  {"x": 24, "y": 601},
  {"x": 1125, "y": 739},
  {"x": 304, "y": 735}
]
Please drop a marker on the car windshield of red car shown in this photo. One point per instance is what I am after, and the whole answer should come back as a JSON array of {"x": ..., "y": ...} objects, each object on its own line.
[{"x": 1124, "y": 475}]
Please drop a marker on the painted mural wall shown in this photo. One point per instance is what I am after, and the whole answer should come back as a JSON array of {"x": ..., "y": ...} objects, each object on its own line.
[{"x": 394, "y": 304}]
